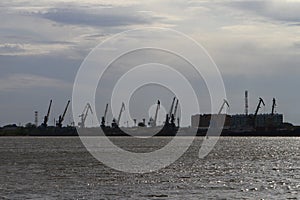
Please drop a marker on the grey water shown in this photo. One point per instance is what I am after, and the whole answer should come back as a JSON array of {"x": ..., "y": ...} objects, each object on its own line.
[{"x": 237, "y": 168}]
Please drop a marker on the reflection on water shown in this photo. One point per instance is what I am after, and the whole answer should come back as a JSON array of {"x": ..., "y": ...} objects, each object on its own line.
[{"x": 238, "y": 168}]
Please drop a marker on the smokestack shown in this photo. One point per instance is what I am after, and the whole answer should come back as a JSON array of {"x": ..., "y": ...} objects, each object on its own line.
[
  {"x": 36, "y": 118},
  {"x": 246, "y": 102}
]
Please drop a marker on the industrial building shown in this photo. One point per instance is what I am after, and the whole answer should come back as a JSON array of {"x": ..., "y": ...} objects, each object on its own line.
[
  {"x": 240, "y": 121},
  {"x": 212, "y": 120},
  {"x": 237, "y": 122},
  {"x": 258, "y": 121}
]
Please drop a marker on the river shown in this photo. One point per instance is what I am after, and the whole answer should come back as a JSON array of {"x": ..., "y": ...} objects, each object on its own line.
[{"x": 237, "y": 168}]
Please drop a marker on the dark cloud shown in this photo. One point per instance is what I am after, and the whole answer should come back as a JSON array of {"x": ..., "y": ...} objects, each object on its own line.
[
  {"x": 276, "y": 10},
  {"x": 249, "y": 5},
  {"x": 29, "y": 81},
  {"x": 51, "y": 66},
  {"x": 103, "y": 17}
]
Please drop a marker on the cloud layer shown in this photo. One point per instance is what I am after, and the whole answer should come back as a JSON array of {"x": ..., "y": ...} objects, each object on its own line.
[
  {"x": 42, "y": 43},
  {"x": 29, "y": 81}
]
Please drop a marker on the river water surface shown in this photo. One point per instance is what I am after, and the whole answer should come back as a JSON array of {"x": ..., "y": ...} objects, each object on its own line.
[{"x": 237, "y": 168}]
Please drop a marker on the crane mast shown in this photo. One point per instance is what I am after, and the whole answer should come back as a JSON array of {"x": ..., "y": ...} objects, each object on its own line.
[
  {"x": 84, "y": 114},
  {"x": 120, "y": 114},
  {"x": 169, "y": 115},
  {"x": 152, "y": 122},
  {"x": 171, "y": 109},
  {"x": 261, "y": 101},
  {"x": 105, "y": 113},
  {"x": 175, "y": 112},
  {"x": 104, "y": 116},
  {"x": 46, "y": 118},
  {"x": 62, "y": 117},
  {"x": 156, "y": 112},
  {"x": 225, "y": 102},
  {"x": 273, "y": 106},
  {"x": 172, "y": 115},
  {"x": 175, "y": 109}
]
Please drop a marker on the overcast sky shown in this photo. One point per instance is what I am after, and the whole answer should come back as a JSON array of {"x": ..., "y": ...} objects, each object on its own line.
[{"x": 255, "y": 44}]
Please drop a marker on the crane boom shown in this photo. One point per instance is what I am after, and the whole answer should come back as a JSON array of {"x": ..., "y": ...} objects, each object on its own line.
[
  {"x": 152, "y": 121},
  {"x": 156, "y": 112},
  {"x": 261, "y": 101},
  {"x": 46, "y": 118},
  {"x": 225, "y": 102},
  {"x": 120, "y": 114},
  {"x": 65, "y": 111},
  {"x": 103, "y": 119},
  {"x": 105, "y": 112},
  {"x": 172, "y": 105},
  {"x": 48, "y": 113},
  {"x": 273, "y": 106},
  {"x": 175, "y": 109},
  {"x": 84, "y": 114},
  {"x": 62, "y": 117}
]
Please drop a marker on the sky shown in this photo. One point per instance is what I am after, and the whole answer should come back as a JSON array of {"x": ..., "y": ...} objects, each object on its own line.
[{"x": 254, "y": 43}]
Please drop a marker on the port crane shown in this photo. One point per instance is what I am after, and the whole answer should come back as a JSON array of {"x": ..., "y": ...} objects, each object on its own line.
[
  {"x": 103, "y": 119},
  {"x": 156, "y": 112},
  {"x": 46, "y": 118},
  {"x": 62, "y": 117},
  {"x": 173, "y": 116},
  {"x": 261, "y": 101},
  {"x": 120, "y": 114},
  {"x": 225, "y": 102},
  {"x": 172, "y": 106},
  {"x": 273, "y": 106},
  {"x": 169, "y": 115},
  {"x": 152, "y": 122},
  {"x": 84, "y": 114},
  {"x": 175, "y": 109}
]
